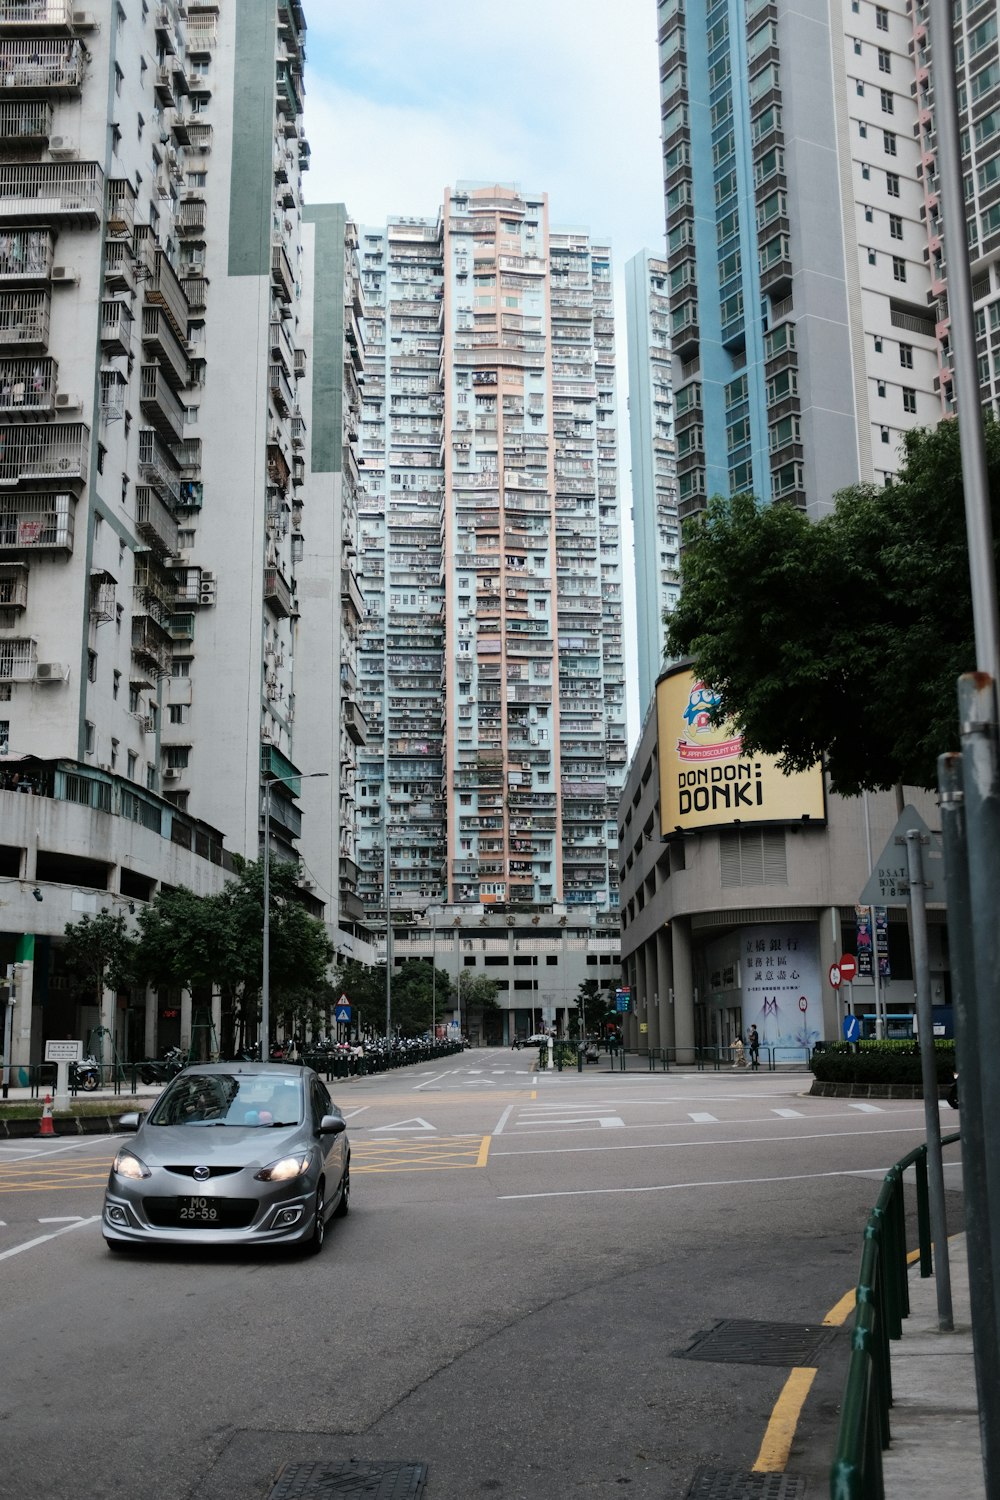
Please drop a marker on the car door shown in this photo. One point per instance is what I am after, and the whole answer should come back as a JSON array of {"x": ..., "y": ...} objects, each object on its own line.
[{"x": 332, "y": 1146}]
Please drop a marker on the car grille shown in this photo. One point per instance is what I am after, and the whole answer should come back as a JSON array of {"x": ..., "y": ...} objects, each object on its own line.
[
  {"x": 233, "y": 1213},
  {"x": 212, "y": 1172}
]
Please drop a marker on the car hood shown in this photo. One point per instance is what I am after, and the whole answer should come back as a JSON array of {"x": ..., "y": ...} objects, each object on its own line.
[{"x": 233, "y": 1145}]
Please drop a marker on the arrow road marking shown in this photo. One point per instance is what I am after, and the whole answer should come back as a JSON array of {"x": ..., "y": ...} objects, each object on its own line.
[
  {"x": 43, "y": 1238},
  {"x": 415, "y": 1123}
]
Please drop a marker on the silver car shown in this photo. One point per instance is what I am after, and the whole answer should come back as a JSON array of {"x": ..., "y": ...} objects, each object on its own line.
[{"x": 231, "y": 1153}]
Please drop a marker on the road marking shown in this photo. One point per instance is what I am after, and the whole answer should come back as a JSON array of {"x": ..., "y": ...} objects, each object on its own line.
[
  {"x": 755, "y": 1140},
  {"x": 670, "y": 1187},
  {"x": 349, "y": 1114},
  {"x": 498, "y": 1128},
  {"x": 433, "y": 1077},
  {"x": 789, "y": 1114},
  {"x": 702, "y": 1119},
  {"x": 418, "y": 1155},
  {"x": 607, "y": 1122},
  {"x": 64, "y": 1219},
  {"x": 44, "y": 1238},
  {"x": 413, "y": 1123},
  {"x": 778, "y": 1438},
  {"x": 484, "y": 1151},
  {"x": 866, "y": 1109}
]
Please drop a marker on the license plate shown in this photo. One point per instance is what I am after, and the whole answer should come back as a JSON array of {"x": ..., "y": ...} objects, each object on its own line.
[{"x": 198, "y": 1210}]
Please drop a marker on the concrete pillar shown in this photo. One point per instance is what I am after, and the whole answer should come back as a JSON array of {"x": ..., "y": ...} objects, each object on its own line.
[
  {"x": 24, "y": 1014},
  {"x": 652, "y": 1016},
  {"x": 152, "y": 1006},
  {"x": 680, "y": 945},
  {"x": 185, "y": 1041},
  {"x": 664, "y": 989}
]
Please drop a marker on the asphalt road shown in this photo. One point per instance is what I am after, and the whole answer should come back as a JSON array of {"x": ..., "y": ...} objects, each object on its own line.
[{"x": 525, "y": 1259}]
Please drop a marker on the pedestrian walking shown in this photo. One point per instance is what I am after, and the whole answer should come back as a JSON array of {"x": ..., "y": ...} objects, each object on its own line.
[
  {"x": 753, "y": 1047},
  {"x": 739, "y": 1053}
]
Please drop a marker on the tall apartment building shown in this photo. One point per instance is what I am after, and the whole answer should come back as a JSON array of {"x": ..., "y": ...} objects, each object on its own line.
[
  {"x": 150, "y": 464},
  {"x": 655, "y": 523},
  {"x": 805, "y": 336},
  {"x": 491, "y": 656}
]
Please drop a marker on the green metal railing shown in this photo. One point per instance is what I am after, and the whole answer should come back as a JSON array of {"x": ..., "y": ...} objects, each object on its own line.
[{"x": 883, "y": 1301}]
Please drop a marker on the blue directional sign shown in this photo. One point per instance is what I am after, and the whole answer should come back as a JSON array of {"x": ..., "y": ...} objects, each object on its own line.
[
  {"x": 622, "y": 998},
  {"x": 852, "y": 1028},
  {"x": 343, "y": 1012}
]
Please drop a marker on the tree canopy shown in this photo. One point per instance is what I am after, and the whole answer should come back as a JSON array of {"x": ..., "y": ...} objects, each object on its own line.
[{"x": 842, "y": 638}]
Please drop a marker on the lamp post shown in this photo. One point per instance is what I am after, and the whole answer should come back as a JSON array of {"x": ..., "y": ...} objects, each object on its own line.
[
  {"x": 388, "y": 933},
  {"x": 265, "y": 981}
]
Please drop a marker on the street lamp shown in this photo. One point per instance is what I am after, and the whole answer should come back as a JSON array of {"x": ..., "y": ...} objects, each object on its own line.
[{"x": 265, "y": 983}]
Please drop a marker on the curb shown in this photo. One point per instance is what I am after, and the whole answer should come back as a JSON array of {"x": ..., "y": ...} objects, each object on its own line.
[{"x": 872, "y": 1090}]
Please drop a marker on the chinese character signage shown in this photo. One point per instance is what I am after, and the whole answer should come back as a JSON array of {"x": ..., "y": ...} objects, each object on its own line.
[
  {"x": 865, "y": 945},
  {"x": 781, "y": 987},
  {"x": 706, "y": 780}
]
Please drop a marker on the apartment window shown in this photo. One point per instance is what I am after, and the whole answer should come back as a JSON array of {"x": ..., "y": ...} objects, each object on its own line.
[
  {"x": 882, "y": 18},
  {"x": 887, "y": 102},
  {"x": 866, "y": 171},
  {"x": 89, "y": 736},
  {"x": 880, "y": 387},
  {"x": 878, "y": 344},
  {"x": 180, "y": 666},
  {"x": 91, "y": 666},
  {"x": 906, "y": 356},
  {"x": 859, "y": 87},
  {"x": 116, "y": 682},
  {"x": 884, "y": 60},
  {"x": 896, "y": 226},
  {"x": 178, "y": 756},
  {"x": 115, "y": 746},
  {"x": 889, "y": 142},
  {"x": 857, "y": 46},
  {"x": 862, "y": 130},
  {"x": 133, "y": 761},
  {"x": 178, "y": 713},
  {"x": 871, "y": 256},
  {"x": 869, "y": 214},
  {"x": 909, "y": 398},
  {"x": 892, "y": 184},
  {"x": 885, "y": 434},
  {"x": 898, "y": 268},
  {"x": 133, "y": 700}
]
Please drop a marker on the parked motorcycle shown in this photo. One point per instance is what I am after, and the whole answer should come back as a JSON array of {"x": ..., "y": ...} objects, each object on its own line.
[
  {"x": 161, "y": 1070},
  {"x": 85, "y": 1074}
]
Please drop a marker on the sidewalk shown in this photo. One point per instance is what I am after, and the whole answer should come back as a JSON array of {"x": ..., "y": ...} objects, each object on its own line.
[{"x": 934, "y": 1420}]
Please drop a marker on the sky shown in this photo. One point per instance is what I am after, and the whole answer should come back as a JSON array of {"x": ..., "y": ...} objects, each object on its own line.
[{"x": 557, "y": 96}]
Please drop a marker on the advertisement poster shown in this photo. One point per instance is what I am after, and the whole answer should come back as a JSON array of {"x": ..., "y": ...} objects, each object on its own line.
[
  {"x": 781, "y": 984},
  {"x": 706, "y": 780},
  {"x": 863, "y": 948},
  {"x": 869, "y": 943},
  {"x": 882, "y": 941}
]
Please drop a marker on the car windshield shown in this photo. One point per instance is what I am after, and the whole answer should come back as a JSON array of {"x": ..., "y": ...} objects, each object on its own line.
[{"x": 238, "y": 1099}]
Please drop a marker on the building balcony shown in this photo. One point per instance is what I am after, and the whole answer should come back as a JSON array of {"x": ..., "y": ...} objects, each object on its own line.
[
  {"x": 350, "y": 593},
  {"x": 281, "y": 391},
  {"x": 26, "y": 123},
  {"x": 191, "y": 220},
  {"x": 36, "y": 523},
  {"x": 282, "y": 276},
  {"x": 26, "y": 256},
  {"x": 119, "y": 267},
  {"x": 22, "y": 17},
  {"x": 159, "y": 339},
  {"x": 27, "y": 389},
  {"x": 163, "y": 85},
  {"x": 46, "y": 192},
  {"x": 278, "y": 593},
  {"x": 14, "y": 586},
  {"x": 355, "y": 723},
  {"x": 160, "y": 406},
  {"x": 200, "y": 136},
  {"x": 154, "y": 522},
  {"x": 158, "y": 466},
  {"x": 39, "y": 65},
  {"x": 24, "y": 320},
  {"x": 59, "y": 453},
  {"x": 196, "y": 288},
  {"x": 121, "y": 207},
  {"x": 116, "y": 327},
  {"x": 162, "y": 289},
  {"x": 151, "y": 645}
]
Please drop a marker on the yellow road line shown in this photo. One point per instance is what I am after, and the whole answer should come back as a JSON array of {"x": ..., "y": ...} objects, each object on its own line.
[
  {"x": 484, "y": 1151},
  {"x": 841, "y": 1311},
  {"x": 778, "y": 1438}
]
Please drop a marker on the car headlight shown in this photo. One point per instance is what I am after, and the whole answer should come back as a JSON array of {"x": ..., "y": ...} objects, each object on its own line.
[
  {"x": 284, "y": 1169},
  {"x": 126, "y": 1164}
]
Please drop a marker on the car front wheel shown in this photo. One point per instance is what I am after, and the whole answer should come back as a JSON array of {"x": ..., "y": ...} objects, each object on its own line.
[
  {"x": 319, "y": 1228},
  {"x": 344, "y": 1206}
]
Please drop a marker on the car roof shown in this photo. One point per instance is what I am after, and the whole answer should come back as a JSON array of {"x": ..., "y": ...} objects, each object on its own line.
[{"x": 251, "y": 1069}]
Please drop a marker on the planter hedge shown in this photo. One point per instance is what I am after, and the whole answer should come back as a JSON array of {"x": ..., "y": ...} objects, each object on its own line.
[{"x": 881, "y": 1063}]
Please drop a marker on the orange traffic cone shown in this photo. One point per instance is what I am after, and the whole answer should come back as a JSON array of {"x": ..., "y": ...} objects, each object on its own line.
[{"x": 47, "y": 1127}]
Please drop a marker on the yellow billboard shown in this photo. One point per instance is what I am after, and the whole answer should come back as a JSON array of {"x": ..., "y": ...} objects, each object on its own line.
[{"x": 706, "y": 780}]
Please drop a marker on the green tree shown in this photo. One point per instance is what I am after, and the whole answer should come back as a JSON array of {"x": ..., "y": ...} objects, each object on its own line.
[
  {"x": 101, "y": 953},
  {"x": 364, "y": 986},
  {"x": 842, "y": 638},
  {"x": 476, "y": 995},
  {"x": 593, "y": 1000}
]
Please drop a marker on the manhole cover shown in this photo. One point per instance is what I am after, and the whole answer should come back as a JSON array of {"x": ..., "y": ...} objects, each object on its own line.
[
  {"x": 350, "y": 1481},
  {"x": 724, "y": 1484},
  {"x": 743, "y": 1341}
]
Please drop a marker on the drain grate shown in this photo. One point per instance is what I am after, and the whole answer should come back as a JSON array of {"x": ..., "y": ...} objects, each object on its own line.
[
  {"x": 744, "y": 1341},
  {"x": 350, "y": 1481},
  {"x": 724, "y": 1484}
]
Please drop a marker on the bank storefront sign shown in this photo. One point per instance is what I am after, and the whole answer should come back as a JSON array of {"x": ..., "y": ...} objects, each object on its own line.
[{"x": 707, "y": 781}]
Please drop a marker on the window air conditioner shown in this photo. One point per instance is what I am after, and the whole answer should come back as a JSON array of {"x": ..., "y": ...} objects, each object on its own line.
[
  {"x": 62, "y": 147},
  {"x": 51, "y": 671},
  {"x": 65, "y": 273},
  {"x": 66, "y": 401},
  {"x": 172, "y": 773}
]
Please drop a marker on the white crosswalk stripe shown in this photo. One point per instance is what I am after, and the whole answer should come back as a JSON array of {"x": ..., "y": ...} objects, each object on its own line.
[
  {"x": 866, "y": 1109},
  {"x": 702, "y": 1119},
  {"x": 789, "y": 1114}
]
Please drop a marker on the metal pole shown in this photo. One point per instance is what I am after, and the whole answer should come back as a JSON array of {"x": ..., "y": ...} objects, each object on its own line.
[
  {"x": 928, "y": 1068},
  {"x": 265, "y": 982},
  {"x": 434, "y": 976},
  {"x": 950, "y": 183},
  {"x": 876, "y": 972},
  {"x": 388, "y": 933},
  {"x": 971, "y": 1066}
]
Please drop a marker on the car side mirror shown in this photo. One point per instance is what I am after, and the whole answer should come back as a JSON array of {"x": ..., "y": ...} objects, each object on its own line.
[
  {"x": 332, "y": 1125},
  {"x": 129, "y": 1121}
]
